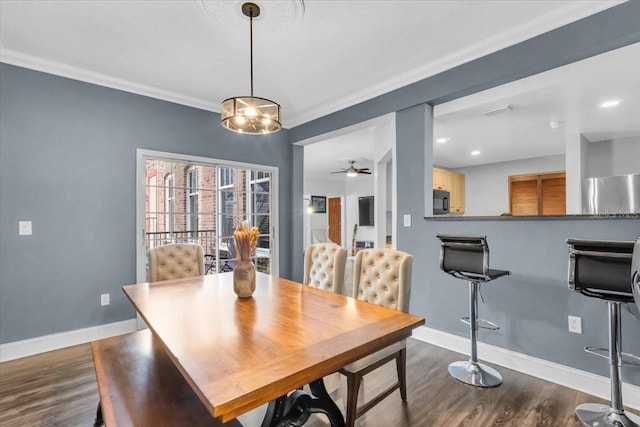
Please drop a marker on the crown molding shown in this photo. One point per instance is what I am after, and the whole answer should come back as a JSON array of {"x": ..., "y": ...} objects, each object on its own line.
[
  {"x": 570, "y": 12},
  {"x": 12, "y": 57},
  {"x": 559, "y": 17}
]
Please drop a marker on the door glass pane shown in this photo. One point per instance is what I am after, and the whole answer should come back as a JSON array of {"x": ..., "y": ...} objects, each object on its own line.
[{"x": 203, "y": 204}]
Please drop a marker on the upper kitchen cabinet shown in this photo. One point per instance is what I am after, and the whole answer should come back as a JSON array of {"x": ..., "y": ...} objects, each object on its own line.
[{"x": 454, "y": 183}]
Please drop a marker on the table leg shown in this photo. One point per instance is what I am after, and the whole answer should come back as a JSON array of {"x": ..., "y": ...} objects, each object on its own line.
[
  {"x": 295, "y": 409},
  {"x": 325, "y": 404},
  {"x": 275, "y": 412}
]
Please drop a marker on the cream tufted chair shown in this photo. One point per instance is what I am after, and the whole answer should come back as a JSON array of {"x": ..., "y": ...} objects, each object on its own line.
[
  {"x": 381, "y": 277},
  {"x": 324, "y": 266},
  {"x": 175, "y": 261}
]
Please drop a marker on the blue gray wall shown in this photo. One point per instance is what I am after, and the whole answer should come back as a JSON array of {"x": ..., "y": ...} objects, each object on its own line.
[
  {"x": 532, "y": 304},
  {"x": 67, "y": 163}
]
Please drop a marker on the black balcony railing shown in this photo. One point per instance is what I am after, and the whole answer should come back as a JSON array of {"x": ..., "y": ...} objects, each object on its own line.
[{"x": 207, "y": 239}]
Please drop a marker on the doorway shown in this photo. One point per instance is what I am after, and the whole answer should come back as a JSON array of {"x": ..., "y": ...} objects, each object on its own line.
[{"x": 335, "y": 220}]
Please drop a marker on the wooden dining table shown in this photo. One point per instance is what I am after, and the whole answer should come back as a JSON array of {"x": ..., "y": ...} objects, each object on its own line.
[{"x": 240, "y": 353}]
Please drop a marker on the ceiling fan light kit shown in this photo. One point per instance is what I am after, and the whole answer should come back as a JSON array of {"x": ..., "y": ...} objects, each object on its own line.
[
  {"x": 353, "y": 171},
  {"x": 250, "y": 114}
]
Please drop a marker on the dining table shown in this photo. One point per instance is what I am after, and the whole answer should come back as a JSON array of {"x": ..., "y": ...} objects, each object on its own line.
[{"x": 238, "y": 354}]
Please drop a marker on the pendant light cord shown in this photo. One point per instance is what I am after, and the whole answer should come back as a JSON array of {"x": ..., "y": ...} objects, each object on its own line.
[{"x": 251, "y": 45}]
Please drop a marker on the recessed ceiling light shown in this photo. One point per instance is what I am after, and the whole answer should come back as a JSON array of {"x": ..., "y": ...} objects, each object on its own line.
[
  {"x": 475, "y": 153},
  {"x": 443, "y": 140},
  {"x": 609, "y": 104}
]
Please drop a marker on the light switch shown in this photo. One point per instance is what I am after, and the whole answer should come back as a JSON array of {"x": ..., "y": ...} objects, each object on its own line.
[
  {"x": 407, "y": 220},
  {"x": 24, "y": 228}
]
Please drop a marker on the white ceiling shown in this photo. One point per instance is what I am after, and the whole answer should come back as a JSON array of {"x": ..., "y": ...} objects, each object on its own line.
[
  {"x": 568, "y": 96},
  {"x": 313, "y": 57}
]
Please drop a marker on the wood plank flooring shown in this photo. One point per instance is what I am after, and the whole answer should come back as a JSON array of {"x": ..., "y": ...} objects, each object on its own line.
[{"x": 58, "y": 389}]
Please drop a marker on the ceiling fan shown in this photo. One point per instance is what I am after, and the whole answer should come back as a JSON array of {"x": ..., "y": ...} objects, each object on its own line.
[{"x": 354, "y": 171}]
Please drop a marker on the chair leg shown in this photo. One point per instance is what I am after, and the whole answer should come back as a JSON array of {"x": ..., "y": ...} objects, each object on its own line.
[
  {"x": 99, "y": 422},
  {"x": 401, "y": 367},
  {"x": 353, "y": 387}
]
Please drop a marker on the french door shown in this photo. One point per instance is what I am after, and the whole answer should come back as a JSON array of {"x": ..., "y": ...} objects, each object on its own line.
[{"x": 187, "y": 199}]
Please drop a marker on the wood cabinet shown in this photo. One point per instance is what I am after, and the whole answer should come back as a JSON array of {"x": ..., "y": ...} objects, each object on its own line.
[
  {"x": 537, "y": 194},
  {"x": 452, "y": 182}
]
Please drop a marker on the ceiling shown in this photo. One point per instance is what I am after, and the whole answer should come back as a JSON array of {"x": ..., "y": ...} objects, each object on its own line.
[
  {"x": 313, "y": 57},
  {"x": 545, "y": 111}
]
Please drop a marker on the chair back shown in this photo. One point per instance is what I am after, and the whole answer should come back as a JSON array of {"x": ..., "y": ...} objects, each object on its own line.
[
  {"x": 601, "y": 268},
  {"x": 461, "y": 254},
  {"x": 175, "y": 261},
  {"x": 383, "y": 277},
  {"x": 324, "y": 265}
]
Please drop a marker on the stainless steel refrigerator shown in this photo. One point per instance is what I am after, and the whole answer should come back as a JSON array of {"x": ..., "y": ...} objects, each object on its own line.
[{"x": 611, "y": 195}]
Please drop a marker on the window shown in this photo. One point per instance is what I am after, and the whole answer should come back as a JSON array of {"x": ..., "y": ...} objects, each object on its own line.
[
  {"x": 192, "y": 202},
  {"x": 198, "y": 200},
  {"x": 169, "y": 200},
  {"x": 226, "y": 177},
  {"x": 260, "y": 207}
]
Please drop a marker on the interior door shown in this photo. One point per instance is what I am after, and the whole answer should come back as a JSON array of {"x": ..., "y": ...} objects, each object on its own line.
[{"x": 335, "y": 220}]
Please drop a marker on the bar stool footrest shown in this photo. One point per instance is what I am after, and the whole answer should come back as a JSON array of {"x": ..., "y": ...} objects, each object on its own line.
[
  {"x": 627, "y": 358},
  {"x": 482, "y": 324}
]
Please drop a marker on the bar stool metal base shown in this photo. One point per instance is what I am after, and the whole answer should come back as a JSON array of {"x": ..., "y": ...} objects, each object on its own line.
[
  {"x": 598, "y": 415},
  {"x": 475, "y": 374}
]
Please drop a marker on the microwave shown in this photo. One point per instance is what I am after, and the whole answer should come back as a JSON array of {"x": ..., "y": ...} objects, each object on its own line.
[{"x": 440, "y": 202}]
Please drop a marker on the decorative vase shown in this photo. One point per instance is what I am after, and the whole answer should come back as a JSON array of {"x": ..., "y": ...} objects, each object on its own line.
[{"x": 244, "y": 278}]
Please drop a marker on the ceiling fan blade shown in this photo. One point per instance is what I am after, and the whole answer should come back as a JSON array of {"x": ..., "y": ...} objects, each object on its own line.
[
  {"x": 339, "y": 172},
  {"x": 364, "y": 172}
]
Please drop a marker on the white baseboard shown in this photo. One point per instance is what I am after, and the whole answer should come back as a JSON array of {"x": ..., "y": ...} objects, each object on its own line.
[
  {"x": 29, "y": 347},
  {"x": 576, "y": 379}
]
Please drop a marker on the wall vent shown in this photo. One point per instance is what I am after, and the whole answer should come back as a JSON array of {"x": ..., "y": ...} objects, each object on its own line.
[{"x": 498, "y": 110}]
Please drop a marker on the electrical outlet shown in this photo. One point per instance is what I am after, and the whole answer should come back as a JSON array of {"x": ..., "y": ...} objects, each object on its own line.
[
  {"x": 104, "y": 299},
  {"x": 575, "y": 324},
  {"x": 24, "y": 228},
  {"x": 407, "y": 220}
]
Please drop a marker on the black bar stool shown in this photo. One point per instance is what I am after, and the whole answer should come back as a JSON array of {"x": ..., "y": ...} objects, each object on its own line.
[
  {"x": 602, "y": 269},
  {"x": 466, "y": 257}
]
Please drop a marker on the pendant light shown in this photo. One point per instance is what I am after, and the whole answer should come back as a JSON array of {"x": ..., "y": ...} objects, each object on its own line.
[{"x": 251, "y": 114}]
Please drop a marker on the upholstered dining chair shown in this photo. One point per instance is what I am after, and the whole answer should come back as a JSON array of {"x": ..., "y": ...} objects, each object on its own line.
[
  {"x": 382, "y": 277},
  {"x": 324, "y": 265},
  {"x": 175, "y": 261}
]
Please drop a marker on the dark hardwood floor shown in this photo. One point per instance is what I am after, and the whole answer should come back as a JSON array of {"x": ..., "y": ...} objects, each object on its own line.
[{"x": 58, "y": 389}]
